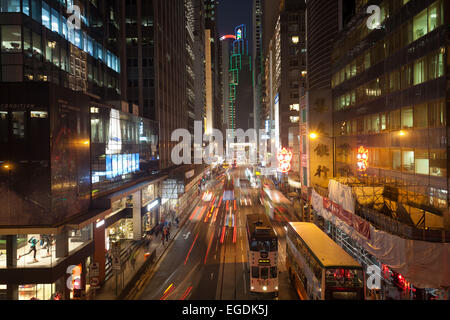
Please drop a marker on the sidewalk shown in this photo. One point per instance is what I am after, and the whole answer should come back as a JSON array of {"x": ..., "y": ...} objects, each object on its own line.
[{"x": 108, "y": 290}]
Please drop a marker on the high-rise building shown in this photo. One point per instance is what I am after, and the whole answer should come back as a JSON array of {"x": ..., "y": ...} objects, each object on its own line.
[
  {"x": 240, "y": 82},
  {"x": 322, "y": 26},
  {"x": 389, "y": 102},
  {"x": 82, "y": 155},
  {"x": 285, "y": 66},
  {"x": 67, "y": 148},
  {"x": 258, "y": 61}
]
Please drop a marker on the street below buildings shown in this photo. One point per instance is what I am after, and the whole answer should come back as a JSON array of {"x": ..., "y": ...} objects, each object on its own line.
[{"x": 208, "y": 258}]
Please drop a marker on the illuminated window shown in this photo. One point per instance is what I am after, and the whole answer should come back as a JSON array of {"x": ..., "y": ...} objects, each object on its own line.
[
  {"x": 421, "y": 116},
  {"x": 396, "y": 160},
  {"x": 11, "y": 38},
  {"x": 422, "y": 162},
  {"x": 295, "y": 107},
  {"x": 438, "y": 163},
  {"x": 408, "y": 161},
  {"x": 45, "y": 15},
  {"x": 294, "y": 119},
  {"x": 420, "y": 25},
  {"x": 407, "y": 118},
  {"x": 419, "y": 71},
  {"x": 437, "y": 114}
]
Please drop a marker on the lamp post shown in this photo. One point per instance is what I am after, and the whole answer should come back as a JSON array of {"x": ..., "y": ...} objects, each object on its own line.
[
  {"x": 314, "y": 136},
  {"x": 8, "y": 166}
]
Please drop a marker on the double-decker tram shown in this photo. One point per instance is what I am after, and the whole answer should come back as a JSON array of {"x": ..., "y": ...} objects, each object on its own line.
[
  {"x": 262, "y": 256},
  {"x": 320, "y": 269}
]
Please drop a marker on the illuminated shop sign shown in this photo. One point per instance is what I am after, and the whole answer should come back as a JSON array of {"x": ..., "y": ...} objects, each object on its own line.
[
  {"x": 152, "y": 205},
  {"x": 362, "y": 159},
  {"x": 120, "y": 164},
  {"x": 100, "y": 223},
  {"x": 284, "y": 160}
]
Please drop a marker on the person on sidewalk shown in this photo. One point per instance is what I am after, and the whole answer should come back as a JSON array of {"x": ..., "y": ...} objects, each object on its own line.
[
  {"x": 177, "y": 221},
  {"x": 168, "y": 235},
  {"x": 163, "y": 237}
]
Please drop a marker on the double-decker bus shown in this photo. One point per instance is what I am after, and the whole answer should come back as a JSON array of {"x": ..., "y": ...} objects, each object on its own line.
[
  {"x": 262, "y": 256},
  {"x": 320, "y": 269}
]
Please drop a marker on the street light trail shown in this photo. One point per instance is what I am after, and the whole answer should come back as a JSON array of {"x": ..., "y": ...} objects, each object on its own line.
[
  {"x": 209, "y": 246},
  {"x": 168, "y": 292},
  {"x": 186, "y": 293},
  {"x": 187, "y": 257},
  {"x": 193, "y": 213}
]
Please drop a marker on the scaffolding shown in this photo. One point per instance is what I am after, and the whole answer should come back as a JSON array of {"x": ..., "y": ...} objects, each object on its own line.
[{"x": 402, "y": 200}]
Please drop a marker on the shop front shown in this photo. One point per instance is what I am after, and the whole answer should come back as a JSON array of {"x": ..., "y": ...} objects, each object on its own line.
[{"x": 150, "y": 216}]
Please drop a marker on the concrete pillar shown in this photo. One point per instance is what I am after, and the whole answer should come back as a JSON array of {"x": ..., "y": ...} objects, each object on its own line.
[
  {"x": 99, "y": 251},
  {"x": 137, "y": 218},
  {"x": 446, "y": 216},
  {"x": 11, "y": 251},
  {"x": 62, "y": 244},
  {"x": 12, "y": 292}
]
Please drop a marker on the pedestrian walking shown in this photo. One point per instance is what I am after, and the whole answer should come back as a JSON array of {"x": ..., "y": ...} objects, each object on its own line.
[
  {"x": 177, "y": 220},
  {"x": 167, "y": 235},
  {"x": 163, "y": 237}
]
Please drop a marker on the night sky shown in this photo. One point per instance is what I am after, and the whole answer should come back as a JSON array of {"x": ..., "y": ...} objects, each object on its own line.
[{"x": 233, "y": 13}]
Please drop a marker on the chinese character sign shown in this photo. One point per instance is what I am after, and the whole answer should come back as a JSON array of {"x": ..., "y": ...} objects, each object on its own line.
[
  {"x": 284, "y": 160},
  {"x": 362, "y": 159}
]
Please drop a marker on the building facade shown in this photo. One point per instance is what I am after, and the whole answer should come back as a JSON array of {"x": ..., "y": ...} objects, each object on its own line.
[
  {"x": 285, "y": 67},
  {"x": 389, "y": 103}
]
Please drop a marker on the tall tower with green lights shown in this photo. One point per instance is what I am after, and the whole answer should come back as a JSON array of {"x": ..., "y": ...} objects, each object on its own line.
[{"x": 240, "y": 83}]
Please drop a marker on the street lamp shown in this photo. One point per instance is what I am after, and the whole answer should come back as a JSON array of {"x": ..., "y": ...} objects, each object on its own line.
[
  {"x": 9, "y": 167},
  {"x": 314, "y": 136}
]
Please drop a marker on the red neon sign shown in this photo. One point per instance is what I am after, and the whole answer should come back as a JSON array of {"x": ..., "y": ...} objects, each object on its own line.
[
  {"x": 284, "y": 159},
  {"x": 229, "y": 36},
  {"x": 362, "y": 159}
]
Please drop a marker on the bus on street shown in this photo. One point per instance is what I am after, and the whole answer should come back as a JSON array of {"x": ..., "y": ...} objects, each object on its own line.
[
  {"x": 262, "y": 256},
  {"x": 319, "y": 269}
]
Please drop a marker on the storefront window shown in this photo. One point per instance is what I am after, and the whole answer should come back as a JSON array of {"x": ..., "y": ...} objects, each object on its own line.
[
  {"x": 421, "y": 162},
  {"x": 36, "y": 291},
  {"x": 36, "y": 250},
  {"x": 148, "y": 194},
  {"x": 408, "y": 161},
  {"x": 11, "y": 38},
  {"x": 78, "y": 238},
  {"x": 120, "y": 231}
]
